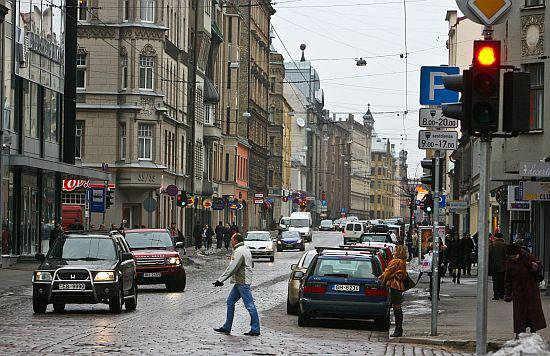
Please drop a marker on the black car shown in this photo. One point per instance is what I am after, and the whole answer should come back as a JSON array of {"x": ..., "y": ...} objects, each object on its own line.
[{"x": 86, "y": 268}]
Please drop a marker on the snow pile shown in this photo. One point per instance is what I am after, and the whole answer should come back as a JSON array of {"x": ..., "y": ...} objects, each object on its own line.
[{"x": 526, "y": 344}]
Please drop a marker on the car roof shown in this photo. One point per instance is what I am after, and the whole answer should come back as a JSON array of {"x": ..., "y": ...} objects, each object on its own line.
[
  {"x": 145, "y": 230},
  {"x": 346, "y": 254},
  {"x": 89, "y": 234}
]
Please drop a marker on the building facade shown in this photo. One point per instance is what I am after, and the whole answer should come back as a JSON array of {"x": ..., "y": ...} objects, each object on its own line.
[{"x": 383, "y": 168}]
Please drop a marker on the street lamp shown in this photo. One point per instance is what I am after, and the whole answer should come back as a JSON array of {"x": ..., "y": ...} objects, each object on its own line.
[{"x": 360, "y": 62}]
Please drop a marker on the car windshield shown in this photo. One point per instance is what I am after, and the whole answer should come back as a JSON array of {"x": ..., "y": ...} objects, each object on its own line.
[
  {"x": 159, "y": 240},
  {"x": 299, "y": 222},
  {"x": 345, "y": 268},
  {"x": 290, "y": 235},
  {"x": 285, "y": 222},
  {"x": 326, "y": 223},
  {"x": 308, "y": 259},
  {"x": 374, "y": 238},
  {"x": 84, "y": 249},
  {"x": 258, "y": 236}
]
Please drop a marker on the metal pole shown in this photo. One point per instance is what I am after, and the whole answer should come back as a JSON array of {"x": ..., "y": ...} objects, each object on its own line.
[
  {"x": 483, "y": 249},
  {"x": 435, "y": 258}
]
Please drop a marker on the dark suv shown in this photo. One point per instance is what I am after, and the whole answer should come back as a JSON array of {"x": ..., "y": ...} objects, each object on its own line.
[{"x": 86, "y": 268}]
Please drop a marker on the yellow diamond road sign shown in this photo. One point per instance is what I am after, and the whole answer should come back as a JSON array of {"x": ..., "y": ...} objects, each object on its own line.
[{"x": 489, "y": 11}]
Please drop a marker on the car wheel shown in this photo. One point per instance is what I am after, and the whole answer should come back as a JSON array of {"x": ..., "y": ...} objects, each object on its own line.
[
  {"x": 291, "y": 309},
  {"x": 303, "y": 319},
  {"x": 383, "y": 323},
  {"x": 272, "y": 259},
  {"x": 131, "y": 304},
  {"x": 39, "y": 305},
  {"x": 178, "y": 283},
  {"x": 58, "y": 307},
  {"x": 116, "y": 301}
]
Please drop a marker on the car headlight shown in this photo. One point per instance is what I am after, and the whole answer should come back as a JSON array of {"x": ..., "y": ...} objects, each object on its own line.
[
  {"x": 299, "y": 241},
  {"x": 104, "y": 276},
  {"x": 279, "y": 242},
  {"x": 42, "y": 276},
  {"x": 270, "y": 247},
  {"x": 173, "y": 260}
]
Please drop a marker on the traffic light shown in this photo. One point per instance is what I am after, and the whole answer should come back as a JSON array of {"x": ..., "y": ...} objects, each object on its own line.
[
  {"x": 516, "y": 110},
  {"x": 461, "y": 83},
  {"x": 428, "y": 203},
  {"x": 485, "y": 87},
  {"x": 109, "y": 198},
  {"x": 429, "y": 166},
  {"x": 181, "y": 199}
]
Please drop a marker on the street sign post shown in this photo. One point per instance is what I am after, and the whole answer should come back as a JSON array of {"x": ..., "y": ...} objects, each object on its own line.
[
  {"x": 437, "y": 140},
  {"x": 97, "y": 202},
  {"x": 432, "y": 90},
  {"x": 489, "y": 11},
  {"x": 434, "y": 118},
  {"x": 471, "y": 14}
]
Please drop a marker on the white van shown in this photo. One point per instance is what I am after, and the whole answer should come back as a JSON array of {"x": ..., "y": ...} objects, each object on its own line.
[
  {"x": 301, "y": 222},
  {"x": 353, "y": 231}
]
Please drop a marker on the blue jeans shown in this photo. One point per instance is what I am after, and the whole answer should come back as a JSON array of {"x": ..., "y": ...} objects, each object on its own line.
[{"x": 242, "y": 291}]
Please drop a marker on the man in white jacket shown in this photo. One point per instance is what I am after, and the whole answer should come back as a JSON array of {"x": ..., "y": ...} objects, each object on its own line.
[{"x": 240, "y": 271}]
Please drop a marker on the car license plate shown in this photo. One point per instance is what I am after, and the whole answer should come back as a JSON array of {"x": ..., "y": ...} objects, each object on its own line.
[
  {"x": 152, "y": 275},
  {"x": 72, "y": 286},
  {"x": 346, "y": 288}
]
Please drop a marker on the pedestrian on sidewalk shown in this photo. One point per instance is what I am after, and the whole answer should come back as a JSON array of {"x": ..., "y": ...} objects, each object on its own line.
[
  {"x": 415, "y": 242},
  {"x": 467, "y": 246},
  {"x": 219, "y": 235},
  {"x": 440, "y": 268},
  {"x": 455, "y": 257},
  {"x": 197, "y": 235},
  {"x": 522, "y": 288},
  {"x": 54, "y": 234},
  {"x": 240, "y": 271},
  {"x": 234, "y": 229},
  {"x": 393, "y": 277},
  {"x": 207, "y": 236},
  {"x": 497, "y": 265}
]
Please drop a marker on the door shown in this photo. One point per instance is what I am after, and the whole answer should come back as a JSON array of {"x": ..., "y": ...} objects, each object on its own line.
[
  {"x": 29, "y": 220},
  {"x": 132, "y": 214}
]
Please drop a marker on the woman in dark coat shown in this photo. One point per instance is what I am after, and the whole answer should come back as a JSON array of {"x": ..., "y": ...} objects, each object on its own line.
[
  {"x": 522, "y": 288},
  {"x": 455, "y": 256},
  {"x": 197, "y": 235}
]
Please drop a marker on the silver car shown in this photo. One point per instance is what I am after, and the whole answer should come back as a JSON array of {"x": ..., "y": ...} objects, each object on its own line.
[{"x": 294, "y": 282}]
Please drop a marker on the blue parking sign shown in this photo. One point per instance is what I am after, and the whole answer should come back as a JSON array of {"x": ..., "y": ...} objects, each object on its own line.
[{"x": 432, "y": 91}]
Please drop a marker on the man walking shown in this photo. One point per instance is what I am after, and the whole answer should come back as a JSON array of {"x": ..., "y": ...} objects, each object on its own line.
[
  {"x": 240, "y": 271},
  {"x": 197, "y": 235},
  {"x": 497, "y": 265},
  {"x": 219, "y": 235}
]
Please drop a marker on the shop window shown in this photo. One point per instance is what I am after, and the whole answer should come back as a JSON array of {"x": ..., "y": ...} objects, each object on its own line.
[{"x": 145, "y": 142}]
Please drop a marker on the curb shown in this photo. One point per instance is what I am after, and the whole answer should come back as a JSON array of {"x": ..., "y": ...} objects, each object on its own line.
[{"x": 464, "y": 345}]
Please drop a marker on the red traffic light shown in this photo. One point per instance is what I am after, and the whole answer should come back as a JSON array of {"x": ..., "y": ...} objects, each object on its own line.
[{"x": 486, "y": 54}]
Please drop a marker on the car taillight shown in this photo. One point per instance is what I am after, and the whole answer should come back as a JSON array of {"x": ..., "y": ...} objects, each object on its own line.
[
  {"x": 315, "y": 288},
  {"x": 376, "y": 291}
]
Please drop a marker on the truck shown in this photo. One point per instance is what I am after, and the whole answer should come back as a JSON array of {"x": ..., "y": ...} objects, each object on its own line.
[{"x": 301, "y": 222}]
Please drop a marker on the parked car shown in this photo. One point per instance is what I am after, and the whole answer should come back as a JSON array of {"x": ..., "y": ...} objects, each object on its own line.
[
  {"x": 293, "y": 298},
  {"x": 353, "y": 231},
  {"x": 377, "y": 240},
  {"x": 290, "y": 240},
  {"x": 86, "y": 268},
  {"x": 343, "y": 283},
  {"x": 156, "y": 257},
  {"x": 326, "y": 225},
  {"x": 260, "y": 244},
  {"x": 336, "y": 224}
]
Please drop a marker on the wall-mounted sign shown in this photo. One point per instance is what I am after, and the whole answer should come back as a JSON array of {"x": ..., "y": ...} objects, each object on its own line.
[
  {"x": 71, "y": 184},
  {"x": 172, "y": 190},
  {"x": 516, "y": 204},
  {"x": 207, "y": 203},
  {"x": 535, "y": 191},
  {"x": 534, "y": 169},
  {"x": 45, "y": 48},
  {"x": 97, "y": 201}
]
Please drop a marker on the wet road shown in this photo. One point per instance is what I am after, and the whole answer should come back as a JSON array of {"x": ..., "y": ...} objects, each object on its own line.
[{"x": 181, "y": 323}]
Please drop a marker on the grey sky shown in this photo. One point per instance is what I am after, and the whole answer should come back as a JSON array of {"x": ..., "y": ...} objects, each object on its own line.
[{"x": 337, "y": 31}]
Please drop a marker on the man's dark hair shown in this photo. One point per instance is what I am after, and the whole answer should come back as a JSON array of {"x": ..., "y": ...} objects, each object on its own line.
[{"x": 239, "y": 238}]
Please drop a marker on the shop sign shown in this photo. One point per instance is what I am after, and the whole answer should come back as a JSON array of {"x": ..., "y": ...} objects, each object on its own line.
[
  {"x": 515, "y": 204},
  {"x": 258, "y": 201},
  {"x": 45, "y": 48},
  {"x": 218, "y": 204},
  {"x": 534, "y": 169},
  {"x": 535, "y": 191},
  {"x": 207, "y": 203},
  {"x": 70, "y": 185}
]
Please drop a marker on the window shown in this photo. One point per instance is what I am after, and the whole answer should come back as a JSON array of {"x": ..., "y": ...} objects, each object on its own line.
[
  {"x": 146, "y": 64},
  {"x": 83, "y": 10},
  {"x": 147, "y": 10},
  {"x": 79, "y": 139},
  {"x": 124, "y": 70},
  {"x": 272, "y": 145},
  {"x": 379, "y": 171},
  {"x": 533, "y": 2},
  {"x": 272, "y": 114},
  {"x": 378, "y": 199},
  {"x": 125, "y": 10},
  {"x": 270, "y": 178},
  {"x": 209, "y": 114},
  {"x": 81, "y": 70},
  {"x": 122, "y": 130},
  {"x": 208, "y": 7},
  {"x": 537, "y": 95},
  {"x": 372, "y": 199},
  {"x": 145, "y": 141}
]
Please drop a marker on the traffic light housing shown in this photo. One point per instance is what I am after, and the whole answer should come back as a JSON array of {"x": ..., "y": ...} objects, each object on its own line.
[
  {"x": 428, "y": 203},
  {"x": 516, "y": 109},
  {"x": 429, "y": 168},
  {"x": 109, "y": 198},
  {"x": 484, "y": 108},
  {"x": 182, "y": 199},
  {"x": 461, "y": 83}
]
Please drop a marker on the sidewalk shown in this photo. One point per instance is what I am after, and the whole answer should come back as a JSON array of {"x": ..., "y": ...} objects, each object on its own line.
[
  {"x": 457, "y": 315},
  {"x": 16, "y": 277}
]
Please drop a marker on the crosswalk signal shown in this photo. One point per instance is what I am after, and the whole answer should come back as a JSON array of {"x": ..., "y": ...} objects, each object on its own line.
[
  {"x": 485, "y": 87},
  {"x": 181, "y": 199},
  {"x": 429, "y": 203},
  {"x": 109, "y": 198}
]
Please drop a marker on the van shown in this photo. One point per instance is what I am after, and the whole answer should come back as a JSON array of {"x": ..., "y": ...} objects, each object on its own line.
[
  {"x": 353, "y": 231},
  {"x": 301, "y": 222}
]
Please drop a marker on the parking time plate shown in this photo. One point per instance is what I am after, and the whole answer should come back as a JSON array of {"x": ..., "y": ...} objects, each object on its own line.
[
  {"x": 152, "y": 275},
  {"x": 72, "y": 286},
  {"x": 346, "y": 288}
]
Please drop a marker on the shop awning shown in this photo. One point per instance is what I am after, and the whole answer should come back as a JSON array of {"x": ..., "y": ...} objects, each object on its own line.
[{"x": 68, "y": 169}]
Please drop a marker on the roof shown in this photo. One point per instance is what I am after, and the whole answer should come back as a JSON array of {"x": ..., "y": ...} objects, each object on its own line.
[
  {"x": 145, "y": 230},
  {"x": 379, "y": 144}
]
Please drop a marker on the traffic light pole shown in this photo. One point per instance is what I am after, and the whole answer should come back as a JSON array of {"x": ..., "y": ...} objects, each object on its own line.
[
  {"x": 483, "y": 246},
  {"x": 435, "y": 257}
]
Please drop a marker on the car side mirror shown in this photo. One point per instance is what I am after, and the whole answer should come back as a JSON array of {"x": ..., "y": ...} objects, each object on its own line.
[
  {"x": 40, "y": 257},
  {"x": 179, "y": 245},
  {"x": 298, "y": 275},
  {"x": 293, "y": 266},
  {"x": 127, "y": 256}
]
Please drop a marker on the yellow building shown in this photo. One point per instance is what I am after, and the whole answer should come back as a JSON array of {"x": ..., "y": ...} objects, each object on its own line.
[{"x": 383, "y": 197}]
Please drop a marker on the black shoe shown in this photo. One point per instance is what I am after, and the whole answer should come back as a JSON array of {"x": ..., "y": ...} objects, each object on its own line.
[
  {"x": 496, "y": 298},
  {"x": 398, "y": 332},
  {"x": 222, "y": 330},
  {"x": 252, "y": 333}
]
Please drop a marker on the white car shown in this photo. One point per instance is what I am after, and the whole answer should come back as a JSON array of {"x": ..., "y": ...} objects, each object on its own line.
[{"x": 260, "y": 244}]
